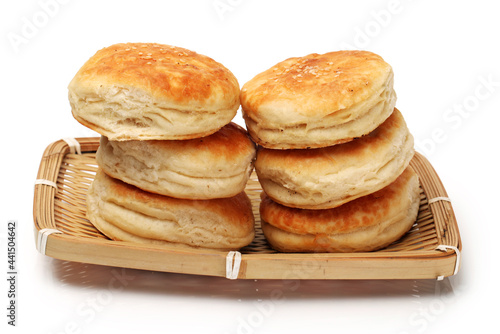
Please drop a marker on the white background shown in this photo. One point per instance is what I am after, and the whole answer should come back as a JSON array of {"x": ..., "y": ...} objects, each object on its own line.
[{"x": 445, "y": 58}]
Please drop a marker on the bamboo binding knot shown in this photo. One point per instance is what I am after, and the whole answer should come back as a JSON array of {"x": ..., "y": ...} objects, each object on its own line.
[
  {"x": 41, "y": 240},
  {"x": 439, "y": 198},
  {"x": 74, "y": 145},
  {"x": 233, "y": 262},
  {"x": 46, "y": 182},
  {"x": 445, "y": 248}
]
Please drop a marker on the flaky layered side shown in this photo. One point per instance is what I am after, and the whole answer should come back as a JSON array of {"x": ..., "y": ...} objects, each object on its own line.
[
  {"x": 318, "y": 100},
  {"x": 216, "y": 166},
  {"x": 145, "y": 91},
  {"x": 124, "y": 212},
  {"x": 366, "y": 224},
  {"x": 328, "y": 177}
]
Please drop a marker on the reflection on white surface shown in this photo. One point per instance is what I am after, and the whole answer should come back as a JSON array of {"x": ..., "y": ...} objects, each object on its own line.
[
  {"x": 101, "y": 295},
  {"x": 90, "y": 276}
]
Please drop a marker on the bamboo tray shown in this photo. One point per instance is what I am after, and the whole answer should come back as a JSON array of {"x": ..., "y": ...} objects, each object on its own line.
[{"x": 430, "y": 250}]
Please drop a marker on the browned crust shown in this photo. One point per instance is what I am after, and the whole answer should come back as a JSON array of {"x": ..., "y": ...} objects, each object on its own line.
[
  {"x": 355, "y": 215},
  {"x": 318, "y": 84},
  {"x": 180, "y": 76}
]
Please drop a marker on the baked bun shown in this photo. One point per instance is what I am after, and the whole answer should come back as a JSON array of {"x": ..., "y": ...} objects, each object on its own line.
[
  {"x": 215, "y": 166},
  {"x": 327, "y": 177},
  {"x": 318, "y": 100},
  {"x": 145, "y": 91},
  {"x": 365, "y": 224},
  {"x": 126, "y": 213}
]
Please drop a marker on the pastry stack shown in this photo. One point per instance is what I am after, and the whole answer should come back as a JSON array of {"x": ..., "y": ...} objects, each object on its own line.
[
  {"x": 333, "y": 153},
  {"x": 172, "y": 165}
]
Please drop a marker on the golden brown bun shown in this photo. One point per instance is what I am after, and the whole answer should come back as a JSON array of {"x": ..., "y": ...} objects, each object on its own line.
[
  {"x": 328, "y": 177},
  {"x": 144, "y": 91},
  {"x": 365, "y": 224},
  {"x": 318, "y": 100},
  {"x": 216, "y": 166},
  {"x": 124, "y": 212}
]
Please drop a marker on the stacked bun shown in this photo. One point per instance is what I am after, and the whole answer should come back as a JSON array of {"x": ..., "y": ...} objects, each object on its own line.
[
  {"x": 153, "y": 91},
  {"x": 172, "y": 165},
  {"x": 216, "y": 166},
  {"x": 334, "y": 153},
  {"x": 368, "y": 223}
]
